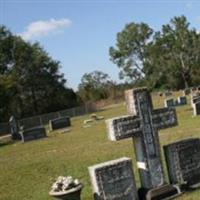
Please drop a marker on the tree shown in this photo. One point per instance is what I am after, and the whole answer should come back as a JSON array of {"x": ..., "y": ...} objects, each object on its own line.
[
  {"x": 174, "y": 55},
  {"x": 30, "y": 80},
  {"x": 94, "y": 86},
  {"x": 129, "y": 53}
]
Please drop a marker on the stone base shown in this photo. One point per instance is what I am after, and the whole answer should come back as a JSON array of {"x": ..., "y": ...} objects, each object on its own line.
[
  {"x": 192, "y": 187},
  {"x": 164, "y": 192}
]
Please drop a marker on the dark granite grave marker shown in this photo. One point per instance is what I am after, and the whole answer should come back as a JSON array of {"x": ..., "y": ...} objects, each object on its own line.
[
  {"x": 14, "y": 129},
  {"x": 113, "y": 180},
  {"x": 183, "y": 162},
  {"x": 143, "y": 125},
  {"x": 60, "y": 123},
  {"x": 33, "y": 133}
]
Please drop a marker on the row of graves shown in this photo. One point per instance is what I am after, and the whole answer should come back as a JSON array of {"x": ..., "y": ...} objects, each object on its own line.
[
  {"x": 27, "y": 134},
  {"x": 182, "y": 100},
  {"x": 115, "y": 180}
]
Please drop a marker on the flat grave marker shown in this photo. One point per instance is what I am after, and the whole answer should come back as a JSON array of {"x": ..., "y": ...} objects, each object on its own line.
[
  {"x": 59, "y": 123},
  {"x": 113, "y": 180},
  {"x": 183, "y": 162},
  {"x": 33, "y": 133}
]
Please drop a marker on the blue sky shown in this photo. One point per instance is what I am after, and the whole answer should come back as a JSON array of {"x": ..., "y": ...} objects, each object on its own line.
[{"x": 79, "y": 33}]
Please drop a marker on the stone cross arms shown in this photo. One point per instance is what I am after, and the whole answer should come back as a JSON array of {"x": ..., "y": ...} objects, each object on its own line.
[{"x": 127, "y": 126}]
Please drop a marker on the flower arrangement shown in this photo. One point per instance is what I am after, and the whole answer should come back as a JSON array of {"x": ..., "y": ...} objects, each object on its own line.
[{"x": 64, "y": 183}]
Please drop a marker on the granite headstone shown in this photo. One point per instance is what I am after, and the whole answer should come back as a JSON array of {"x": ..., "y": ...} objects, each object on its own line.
[
  {"x": 33, "y": 133},
  {"x": 113, "y": 180},
  {"x": 59, "y": 123},
  {"x": 183, "y": 162}
]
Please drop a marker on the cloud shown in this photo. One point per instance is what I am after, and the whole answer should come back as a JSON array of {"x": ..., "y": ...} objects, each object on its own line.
[
  {"x": 42, "y": 28},
  {"x": 188, "y": 5}
]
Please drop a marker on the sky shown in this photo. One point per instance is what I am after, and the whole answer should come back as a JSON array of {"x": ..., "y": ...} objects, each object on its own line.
[{"x": 78, "y": 33}]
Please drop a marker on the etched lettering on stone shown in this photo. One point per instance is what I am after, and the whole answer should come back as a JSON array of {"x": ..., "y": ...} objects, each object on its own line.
[
  {"x": 183, "y": 162},
  {"x": 113, "y": 180}
]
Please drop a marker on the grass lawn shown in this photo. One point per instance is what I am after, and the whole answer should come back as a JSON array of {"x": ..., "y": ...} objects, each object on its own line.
[{"x": 28, "y": 170}]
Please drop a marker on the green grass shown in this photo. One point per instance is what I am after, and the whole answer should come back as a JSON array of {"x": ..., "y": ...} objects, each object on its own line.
[{"x": 28, "y": 170}]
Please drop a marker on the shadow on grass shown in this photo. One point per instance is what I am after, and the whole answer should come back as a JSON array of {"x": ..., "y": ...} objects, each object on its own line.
[{"x": 5, "y": 143}]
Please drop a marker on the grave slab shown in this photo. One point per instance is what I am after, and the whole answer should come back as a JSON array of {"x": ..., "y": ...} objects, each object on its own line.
[
  {"x": 113, "y": 180},
  {"x": 59, "y": 123},
  {"x": 33, "y": 133},
  {"x": 183, "y": 162}
]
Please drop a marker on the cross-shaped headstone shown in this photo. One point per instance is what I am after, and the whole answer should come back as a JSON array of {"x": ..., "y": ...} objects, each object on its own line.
[{"x": 142, "y": 124}]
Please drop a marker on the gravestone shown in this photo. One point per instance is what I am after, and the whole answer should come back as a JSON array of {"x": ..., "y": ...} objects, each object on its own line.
[
  {"x": 194, "y": 99},
  {"x": 182, "y": 100},
  {"x": 183, "y": 162},
  {"x": 169, "y": 103},
  {"x": 113, "y": 180},
  {"x": 33, "y": 133},
  {"x": 14, "y": 129},
  {"x": 196, "y": 108},
  {"x": 142, "y": 124},
  {"x": 195, "y": 103},
  {"x": 59, "y": 123}
]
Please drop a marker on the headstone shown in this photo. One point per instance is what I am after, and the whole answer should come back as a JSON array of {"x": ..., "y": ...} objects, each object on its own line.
[
  {"x": 183, "y": 162},
  {"x": 195, "y": 103},
  {"x": 14, "y": 128},
  {"x": 113, "y": 180},
  {"x": 142, "y": 125},
  {"x": 59, "y": 123},
  {"x": 194, "y": 99},
  {"x": 169, "y": 103},
  {"x": 182, "y": 100},
  {"x": 196, "y": 109},
  {"x": 33, "y": 133}
]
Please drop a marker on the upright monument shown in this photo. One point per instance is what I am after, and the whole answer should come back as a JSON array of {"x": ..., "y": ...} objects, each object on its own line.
[
  {"x": 14, "y": 129},
  {"x": 142, "y": 125}
]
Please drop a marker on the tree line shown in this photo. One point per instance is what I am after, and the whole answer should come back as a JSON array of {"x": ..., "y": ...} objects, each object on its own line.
[{"x": 30, "y": 80}]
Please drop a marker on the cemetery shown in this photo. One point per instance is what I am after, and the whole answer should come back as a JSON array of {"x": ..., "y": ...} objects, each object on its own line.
[
  {"x": 106, "y": 169},
  {"x": 99, "y": 100}
]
